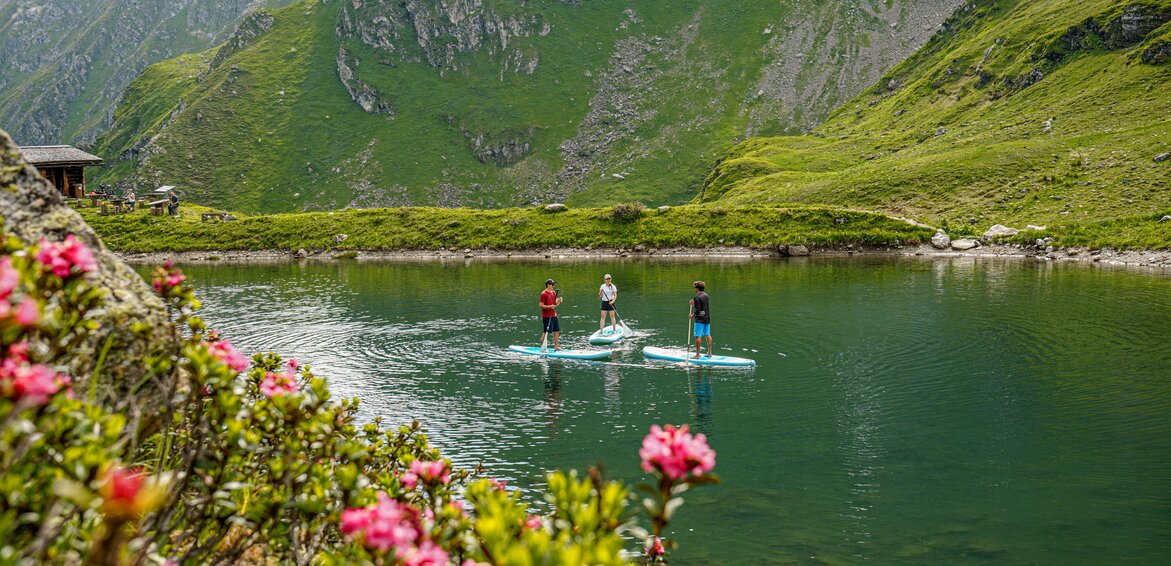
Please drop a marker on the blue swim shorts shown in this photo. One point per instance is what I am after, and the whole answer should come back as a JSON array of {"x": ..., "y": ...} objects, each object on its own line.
[{"x": 703, "y": 329}]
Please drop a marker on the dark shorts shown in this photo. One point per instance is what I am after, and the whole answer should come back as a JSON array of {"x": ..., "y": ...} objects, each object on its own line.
[
  {"x": 606, "y": 306},
  {"x": 550, "y": 325}
]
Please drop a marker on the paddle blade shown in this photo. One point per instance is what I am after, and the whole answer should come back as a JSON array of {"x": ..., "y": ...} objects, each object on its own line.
[{"x": 626, "y": 330}]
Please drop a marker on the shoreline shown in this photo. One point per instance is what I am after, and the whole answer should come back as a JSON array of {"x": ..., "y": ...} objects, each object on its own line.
[{"x": 1154, "y": 259}]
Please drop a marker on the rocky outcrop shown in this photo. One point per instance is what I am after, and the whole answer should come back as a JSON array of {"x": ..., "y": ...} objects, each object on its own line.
[
  {"x": 501, "y": 148},
  {"x": 133, "y": 322},
  {"x": 365, "y": 95},
  {"x": 253, "y": 26},
  {"x": 1158, "y": 53},
  {"x": 442, "y": 30}
]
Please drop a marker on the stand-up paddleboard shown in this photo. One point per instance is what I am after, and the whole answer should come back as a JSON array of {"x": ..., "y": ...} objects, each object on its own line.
[
  {"x": 610, "y": 335},
  {"x": 569, "y": 354},
  {"x": 677, "y": 355}
]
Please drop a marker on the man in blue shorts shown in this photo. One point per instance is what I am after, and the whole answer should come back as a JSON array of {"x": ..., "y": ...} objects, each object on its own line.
[{"x": 703, "y": 319}]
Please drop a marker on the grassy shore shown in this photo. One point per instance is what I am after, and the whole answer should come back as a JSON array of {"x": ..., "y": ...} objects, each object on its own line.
[{"x": 506, "y": 229}]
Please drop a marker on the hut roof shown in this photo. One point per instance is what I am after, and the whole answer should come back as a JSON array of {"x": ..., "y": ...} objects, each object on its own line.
[{"x": 58, "y": 155}]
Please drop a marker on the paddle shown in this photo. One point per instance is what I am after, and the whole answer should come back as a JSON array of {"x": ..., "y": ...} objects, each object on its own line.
[
  {"x": 625, "y": 328},
  {"x": 690, "y": 320},
  {"x": 545, "y": 335}
]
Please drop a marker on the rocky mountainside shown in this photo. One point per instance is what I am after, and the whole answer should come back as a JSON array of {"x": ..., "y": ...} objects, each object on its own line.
[
  {"x": 1038, "y": 112},
  {"x": 65, "y": 63},
  {"x": 328, "y": 104}
]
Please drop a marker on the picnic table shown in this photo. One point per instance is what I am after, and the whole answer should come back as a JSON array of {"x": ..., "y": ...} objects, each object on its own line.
[{"x": 157, "y": 206}]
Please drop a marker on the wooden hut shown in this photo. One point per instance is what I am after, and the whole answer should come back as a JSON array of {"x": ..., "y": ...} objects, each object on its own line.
[{"x": 62, "y": 165}]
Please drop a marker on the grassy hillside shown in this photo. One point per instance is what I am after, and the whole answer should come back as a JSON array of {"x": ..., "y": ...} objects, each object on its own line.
[
  {"x": 1038, "y": 112},
  {"x": 504, "y": 229},
  {"x": 65, "y": 63},
  {"x": 496, "y": 104}
]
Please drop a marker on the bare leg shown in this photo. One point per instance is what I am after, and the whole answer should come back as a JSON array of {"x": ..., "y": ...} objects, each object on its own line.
[
  {"x": 614, "y": 320},
  {"x": 556, "y": 341},
  {"x": 697, "y": 342},
  {"x": 709, "y": 346},
  {"x": 602, "y": 321}
]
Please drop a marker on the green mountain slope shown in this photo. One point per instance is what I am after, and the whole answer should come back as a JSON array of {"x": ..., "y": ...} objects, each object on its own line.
[
  {"x": 382, "y": 103},
  {"x": 65, "y": 63},
  {"x": 1041, "y": 112}
]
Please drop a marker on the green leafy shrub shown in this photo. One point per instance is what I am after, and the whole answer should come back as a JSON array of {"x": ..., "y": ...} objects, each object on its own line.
[
  {"x": 255, "y": 462},
  {"x": 626, "y": 211}
]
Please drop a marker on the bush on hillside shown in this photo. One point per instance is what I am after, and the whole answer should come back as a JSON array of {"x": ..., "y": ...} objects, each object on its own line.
[
  {"x": 626, "y": 211},
  {"x": 255, "y": 461}
]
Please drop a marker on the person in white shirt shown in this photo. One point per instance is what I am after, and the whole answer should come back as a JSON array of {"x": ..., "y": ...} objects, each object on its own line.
[{"x": 608, "y": 293}]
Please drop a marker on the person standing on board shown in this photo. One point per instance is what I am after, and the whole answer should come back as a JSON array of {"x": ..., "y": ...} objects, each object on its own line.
[
  {"x": 702, "y": 317},
  {"x": 549, "y": 302},
  {"x": 608, "y": 293}
]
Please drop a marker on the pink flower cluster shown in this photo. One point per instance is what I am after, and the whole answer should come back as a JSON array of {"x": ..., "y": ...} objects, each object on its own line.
[
  {"x": 430, "y": 472},
  {"x": 223, "y": 351},
  {"x": 676, "y": 453},
  {"x": 66, "y": 257},
  {"x": 275, "y": 384},
  {"x": 24, "y": 313},
  {"x": 22, "y": 381},
  {"x": 392, "y": 526},
  {"x": 655, "y": 547},
  {"x": 170, "y": 279}
]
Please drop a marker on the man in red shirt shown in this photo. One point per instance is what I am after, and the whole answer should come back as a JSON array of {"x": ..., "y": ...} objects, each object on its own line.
[{"x": 549, "y": 302}]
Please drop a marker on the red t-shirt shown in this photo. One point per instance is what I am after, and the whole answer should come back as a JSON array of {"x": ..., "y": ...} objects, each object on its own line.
[{"x": 549, "y": 298}]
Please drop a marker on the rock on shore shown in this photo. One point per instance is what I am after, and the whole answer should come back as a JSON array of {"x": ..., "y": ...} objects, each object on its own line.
[{"x": 32, "y": 209}]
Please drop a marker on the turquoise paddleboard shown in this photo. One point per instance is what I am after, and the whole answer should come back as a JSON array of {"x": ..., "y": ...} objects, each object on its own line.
[
  {"x": 609, "y": 335},
  {"x": 570, "y": 354},
  {"x": 677, "y": 355}
]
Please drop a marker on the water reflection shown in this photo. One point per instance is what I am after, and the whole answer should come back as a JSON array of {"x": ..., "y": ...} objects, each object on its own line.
[
  {"x": 552, "y": 405},
  {"x": 702, "y": 408}
]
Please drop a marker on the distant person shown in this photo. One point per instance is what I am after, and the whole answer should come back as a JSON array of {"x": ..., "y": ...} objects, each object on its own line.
[
  {"x": 702, "y": 317},
  {"x": 608, "y": 293},
  {"x": 549, "y": 323},
  {"x": 130, "y": 201},
  {"x": 173, "y": 205}
]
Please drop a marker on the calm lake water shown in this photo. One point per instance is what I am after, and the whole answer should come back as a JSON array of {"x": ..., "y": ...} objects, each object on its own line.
[{"x": 936, "y": 411}]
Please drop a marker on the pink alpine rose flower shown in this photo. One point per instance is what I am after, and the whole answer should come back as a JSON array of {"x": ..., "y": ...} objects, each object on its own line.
[
  {"x": 655, "y": 547},
  {"x": 431, "y": 472},
  {"x": 676, "y": 453},
  {"x": 275, "y": 384},
  {"x": 426, "y": 554},
  {"x": 62, "y": 259},
  {"x": 223, "y": 351},
  {"x": 32, "y": 383},
  {"x": 409, "y": 480},
  {"x": 9, "y": 278},
  {"x": 28, "y": 313}
]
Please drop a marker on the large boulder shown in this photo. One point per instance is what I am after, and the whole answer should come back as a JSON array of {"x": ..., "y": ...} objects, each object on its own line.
[
  {"x": 999, "y": 231},
  {"x": 133, "y": 323},
  {"x": 798, "y": 250},
  {"x": 940, "y": 240},
  {"x": 963, "y": 245}
]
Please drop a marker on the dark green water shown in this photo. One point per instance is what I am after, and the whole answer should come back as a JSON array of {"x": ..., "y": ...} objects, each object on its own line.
[{"x": 947, "y": 411}]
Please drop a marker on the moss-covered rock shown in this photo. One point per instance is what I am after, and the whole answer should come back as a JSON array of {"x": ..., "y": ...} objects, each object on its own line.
[{"x": 133, "y": 323}]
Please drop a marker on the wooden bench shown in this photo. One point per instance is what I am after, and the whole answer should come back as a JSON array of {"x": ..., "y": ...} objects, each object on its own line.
[
  {"x": 223, "y": 216},
  {"x": 157, "y": 207}
]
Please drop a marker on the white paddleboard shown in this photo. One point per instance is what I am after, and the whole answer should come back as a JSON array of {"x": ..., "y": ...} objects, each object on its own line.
[
  {"x": 569, "y": 354},
  {"x": 609, "y": 335},
  {"x": 678, "y": 355}
]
